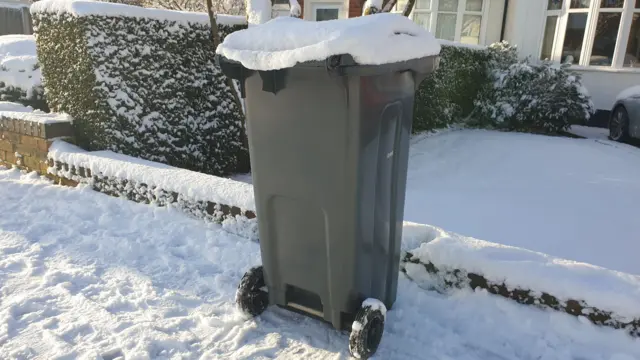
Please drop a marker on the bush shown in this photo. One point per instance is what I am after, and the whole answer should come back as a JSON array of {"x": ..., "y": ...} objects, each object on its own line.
[
  {"x": 448, "y": 96},
  {"x": 20, "y": 79},
  {"x": 142, "y": 82},
  {"x": 544, "y": 98}
]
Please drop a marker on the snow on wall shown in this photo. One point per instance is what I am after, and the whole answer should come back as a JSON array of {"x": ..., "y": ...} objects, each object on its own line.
[
  {"x": 89, "y": 8},
  {"x": 194, "y": 185},
  {"x": 518, "y": 268}
]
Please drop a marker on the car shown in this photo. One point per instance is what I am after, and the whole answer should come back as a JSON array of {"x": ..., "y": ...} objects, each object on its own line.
[{"x": 624, "y": 122}]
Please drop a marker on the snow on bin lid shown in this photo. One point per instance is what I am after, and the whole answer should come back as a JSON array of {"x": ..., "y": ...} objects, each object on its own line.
[{"x": 371, "y": 40}]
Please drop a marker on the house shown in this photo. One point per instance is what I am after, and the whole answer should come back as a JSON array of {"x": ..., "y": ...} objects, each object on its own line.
[
  {"x": 15, "y": 17},
  {"x": 600, "y": 38}
]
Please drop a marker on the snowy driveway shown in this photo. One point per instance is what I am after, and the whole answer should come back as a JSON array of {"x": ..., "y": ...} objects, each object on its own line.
[
  {"x": 577, "y": 199},
  {"x": 83, "y": 275}
]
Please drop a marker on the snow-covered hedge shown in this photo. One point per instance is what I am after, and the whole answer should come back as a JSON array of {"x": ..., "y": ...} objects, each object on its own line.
[
  {"x": 447, "y": 262},
  {"x": 448, "y": 96},
  {"x": 544, "y": 98},
  {"x": 141, "y": 82},
  {"x": 20, "y": 79},
  {"x": 489, "y": 87}
]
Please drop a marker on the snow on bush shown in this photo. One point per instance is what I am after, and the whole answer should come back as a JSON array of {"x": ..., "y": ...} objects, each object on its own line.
[
  {"x": 544, "y": 98},
  {"x": 20, "y": 78},
  {"x": 449, "y": 261},
  {"x": 141, "y": 82}
]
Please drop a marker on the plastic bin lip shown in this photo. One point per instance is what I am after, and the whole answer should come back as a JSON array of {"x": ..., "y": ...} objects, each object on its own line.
[{"x": 345, "y": 65}]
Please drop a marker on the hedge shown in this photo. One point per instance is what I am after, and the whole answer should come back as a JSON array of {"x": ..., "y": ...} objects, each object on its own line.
[
  {"x": 33, "y": 97},
  {"x": 140, "y": 84},
  {"x": 488, "y": 87},
  {"x": 448, "y": 95}
]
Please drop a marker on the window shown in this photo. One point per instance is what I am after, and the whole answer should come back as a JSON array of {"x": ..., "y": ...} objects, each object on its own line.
[
  {"x": 454, "y": 20},
  {"x": 603, "y": 33},
  {"x": 326, "y": 12}
]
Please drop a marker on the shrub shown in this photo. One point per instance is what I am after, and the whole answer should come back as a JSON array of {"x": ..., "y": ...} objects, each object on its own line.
[
  {"x": 20, "y": 79},
  {"x": 142, "y": 82},
  {"x": 448, "y": 96},
  {"x": 545, "y": 98}
]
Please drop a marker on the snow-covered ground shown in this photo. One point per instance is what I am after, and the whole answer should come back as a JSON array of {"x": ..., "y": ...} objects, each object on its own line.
[
  {"x": 577, "y": 199},
  {"x": 590, "y": 132},
  {"x": 84, "y": 275}
]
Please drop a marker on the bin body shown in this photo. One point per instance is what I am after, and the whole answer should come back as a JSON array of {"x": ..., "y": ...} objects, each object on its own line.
[{"x": 329, "y": 154}]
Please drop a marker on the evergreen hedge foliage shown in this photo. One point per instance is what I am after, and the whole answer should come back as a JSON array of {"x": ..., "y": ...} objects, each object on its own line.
[
  {"x": 29, "y": 97},
  {"x": 447, "y": 96},
  {"x": 489, "y": 87},
  {"x": 143, "y": 87},
  {"x": 541, "y": 98}
]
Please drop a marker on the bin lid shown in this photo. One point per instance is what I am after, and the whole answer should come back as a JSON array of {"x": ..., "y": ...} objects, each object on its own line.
[{"x": 283, "y": 42}]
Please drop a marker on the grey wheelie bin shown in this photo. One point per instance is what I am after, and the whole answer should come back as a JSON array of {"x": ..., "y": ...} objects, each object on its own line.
[{"x": 329, "y": 144}]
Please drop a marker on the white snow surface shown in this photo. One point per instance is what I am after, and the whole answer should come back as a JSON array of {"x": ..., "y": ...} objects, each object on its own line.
[
  {"x": 633, "y": 91},
  {"x": 83, "y": 8},
  {"x": 258, "y": 11},
  {"x": 18, "y": 60},
  {"x": 524, "y": 269},
  {"x": 370, "y": 40},
  {"x": 27, "y": 113},
  {"x": 294, "y": 8},
  {"x": 575, "y": 199},
  {"x": 15, "y": 107},
  {"x": 194, "y": 185},
  {"x": 84, "y": 275},
  {"x": 375, "y": 304}
]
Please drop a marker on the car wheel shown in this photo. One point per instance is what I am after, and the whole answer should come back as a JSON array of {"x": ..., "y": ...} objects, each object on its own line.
[{"x": 619, "y": 125}]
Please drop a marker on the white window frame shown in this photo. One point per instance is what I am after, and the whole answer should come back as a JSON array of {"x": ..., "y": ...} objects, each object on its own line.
[
  {"x": 460, "y": 13},
  {"x": 628, "y": 10},
  {"x": 319, "y": 6}
]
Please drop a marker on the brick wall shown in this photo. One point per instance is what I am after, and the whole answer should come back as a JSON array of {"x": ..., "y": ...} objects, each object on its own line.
[
  {"x": 25, "y": 140},
  {"x": 355, "y": 8}
]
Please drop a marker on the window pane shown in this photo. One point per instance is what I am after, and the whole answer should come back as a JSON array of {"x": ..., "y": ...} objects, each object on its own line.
[
  {"x": 547, "y": 41},
  {"x": 573, "y": 38},
  {"x": 421, "y": 4},
  {"x": 580, "y": 4},
  {"x": 637, "y": 4},
  {"x": 611, "y": 3},
  {"x": 604, "y": 43},
  {"x": 448, "y": 5},
  {"x": 632, "y": 55},
  {"x": 422, "y": 19},
  {"x": 326, "y": 14},
  {"x": 446, "y": 27},
  {"x": 471, "y": 29},
  {"x": 474, "y": 5},
  {"x": 555, "y": 4}
]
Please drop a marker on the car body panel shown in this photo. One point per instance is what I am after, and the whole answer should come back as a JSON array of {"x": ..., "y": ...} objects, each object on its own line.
[{"x": 632, "y": 105}]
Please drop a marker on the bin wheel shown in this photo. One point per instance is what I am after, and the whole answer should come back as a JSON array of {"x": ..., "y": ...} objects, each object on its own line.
[
  {"x": 251, "y": 299},
  {"x": 367, "y": 330}
]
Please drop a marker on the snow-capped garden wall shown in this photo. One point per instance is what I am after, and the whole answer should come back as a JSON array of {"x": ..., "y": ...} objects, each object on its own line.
[
  {"x": 141, "y": 82},
  {"x": 20, "y": 79}
]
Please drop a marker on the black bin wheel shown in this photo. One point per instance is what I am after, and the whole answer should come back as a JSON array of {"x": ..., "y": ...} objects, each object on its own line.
[
  {"x": 367, "y": 329},
  {"x": 251, "y": 298}
]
